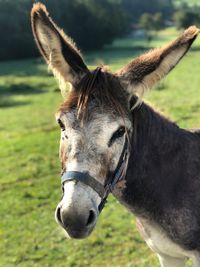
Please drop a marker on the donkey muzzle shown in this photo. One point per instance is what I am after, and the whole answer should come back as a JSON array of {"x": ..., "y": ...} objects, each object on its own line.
[
  {"x": 75, "y": 224},
  {"x": 77, "y": 212}
]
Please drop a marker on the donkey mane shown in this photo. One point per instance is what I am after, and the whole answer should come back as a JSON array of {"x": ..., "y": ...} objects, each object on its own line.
[{"x": 100, "y": 87}]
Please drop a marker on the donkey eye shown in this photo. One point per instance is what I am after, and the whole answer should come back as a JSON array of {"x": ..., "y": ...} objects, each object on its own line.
[
  {"x": 119, "y": 133},
  {"x": 62, "y": 126}
]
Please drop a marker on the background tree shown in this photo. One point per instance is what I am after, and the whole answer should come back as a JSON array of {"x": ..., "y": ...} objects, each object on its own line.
[
  {"x": 187, "y": 16},
  {"x": 16, "y": 41},
  {"x": 158, "y": 21},
  {"x": 135, "y": 8},
  {"x": 92, "y": 24},
  {"x": 151, "y": 22}
]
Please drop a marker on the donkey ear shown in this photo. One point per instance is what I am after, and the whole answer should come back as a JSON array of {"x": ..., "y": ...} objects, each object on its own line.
[
  {"x": 58, "y": 50},
  {"x": 146, "y": 70}
]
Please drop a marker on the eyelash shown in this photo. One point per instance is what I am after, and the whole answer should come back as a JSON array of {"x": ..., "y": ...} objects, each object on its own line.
[
  {"x": 62, "y": 126},
  {"x": 118, "y": 134}
]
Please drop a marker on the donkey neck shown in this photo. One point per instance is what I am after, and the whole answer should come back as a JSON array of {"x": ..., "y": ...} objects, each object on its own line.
[{"x": 156, "y": 162}]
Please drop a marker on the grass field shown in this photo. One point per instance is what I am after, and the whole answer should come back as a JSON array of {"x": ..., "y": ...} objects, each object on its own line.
[
  {"x": 29, "y": 165},
  {"x": 189, "y": 2}
]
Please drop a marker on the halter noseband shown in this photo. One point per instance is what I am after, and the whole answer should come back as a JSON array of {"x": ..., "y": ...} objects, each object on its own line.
[{"x": 102, "y": 190}]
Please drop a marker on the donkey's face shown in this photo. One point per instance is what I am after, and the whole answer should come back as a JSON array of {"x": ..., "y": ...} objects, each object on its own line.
[
  {"x": 91, "y": 146},
  {"x": 96, "y": 115},
  {"x": 92, "y": 139}
]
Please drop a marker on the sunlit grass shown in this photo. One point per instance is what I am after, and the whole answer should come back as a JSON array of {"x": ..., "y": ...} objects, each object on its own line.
[{"x": 189, "y": 2}]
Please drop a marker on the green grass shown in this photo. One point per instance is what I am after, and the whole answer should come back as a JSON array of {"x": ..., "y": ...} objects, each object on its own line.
[
  {"x": 29, "y": 165},
  {"x": 189, "y": 2}
]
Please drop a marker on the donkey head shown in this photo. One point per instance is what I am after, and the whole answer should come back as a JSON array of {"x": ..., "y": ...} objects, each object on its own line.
[{"x": 95, "y": 118}]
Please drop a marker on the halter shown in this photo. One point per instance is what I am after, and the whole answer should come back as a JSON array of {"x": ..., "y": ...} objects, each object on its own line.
[{"x": 102, "y": 190}]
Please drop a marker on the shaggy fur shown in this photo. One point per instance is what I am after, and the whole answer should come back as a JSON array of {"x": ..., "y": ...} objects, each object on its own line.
[
  {"x": 103, "y": 89},
  {"x": 163, "y": 176}
]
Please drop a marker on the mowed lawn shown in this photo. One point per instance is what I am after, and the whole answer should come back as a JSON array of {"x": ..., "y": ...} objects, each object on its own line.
[{"x": 29, "y": 165}]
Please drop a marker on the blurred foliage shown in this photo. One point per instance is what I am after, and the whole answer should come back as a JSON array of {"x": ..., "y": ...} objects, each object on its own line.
[
  {"x": 91, "y": 23},
  {"x": 187, "y": 15},
  {"x": 16, "y": 39},
  {"x": 151, "y": 22},
  {"x": 135, "y": 8}
]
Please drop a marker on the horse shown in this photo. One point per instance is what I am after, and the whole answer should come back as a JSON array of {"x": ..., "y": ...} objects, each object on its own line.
[{"x": 114, "y": 142}]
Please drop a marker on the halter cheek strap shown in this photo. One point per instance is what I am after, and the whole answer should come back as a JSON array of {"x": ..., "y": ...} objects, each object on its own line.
[{"x": 103, "y": 191}]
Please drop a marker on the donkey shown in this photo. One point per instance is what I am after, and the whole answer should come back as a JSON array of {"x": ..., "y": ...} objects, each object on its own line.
[{"x": 111, "y": 141}]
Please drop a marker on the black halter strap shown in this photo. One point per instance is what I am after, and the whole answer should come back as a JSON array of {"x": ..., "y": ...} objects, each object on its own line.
[
  {"x": 103, "y": 191},
  {"x": 85, "y": 178}
]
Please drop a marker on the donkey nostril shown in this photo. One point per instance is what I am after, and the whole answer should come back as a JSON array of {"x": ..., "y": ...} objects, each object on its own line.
[
  {"x": 91, "y": 218},
  {"x": 58, "y": 215},
  {"x": 66, "y": 219}
]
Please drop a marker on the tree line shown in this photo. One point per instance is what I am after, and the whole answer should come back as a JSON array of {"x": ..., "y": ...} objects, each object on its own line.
[
  {"x": 91, "y": 23},
  {"x": 186, "y": 15}
]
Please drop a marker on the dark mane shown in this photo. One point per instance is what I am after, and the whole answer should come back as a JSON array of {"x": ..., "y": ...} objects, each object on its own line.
[{"x": 100, "y": 87}]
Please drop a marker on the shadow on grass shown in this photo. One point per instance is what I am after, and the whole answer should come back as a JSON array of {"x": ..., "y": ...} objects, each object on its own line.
[
  {"x": 8, "y": 103},
  {"x": 24, "y": 67},
  {"x": 21, "y": 89},
  {"x": 195, "y": 49},
  {"x": 184, "y": 118},
  {"x": 123, "y": 52},
  {"x": 195, "y": 108},
  {"x": 111, "y": 54},
  {"x": 161, "y": 86},
  {"x": 8, "y": 91}
]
